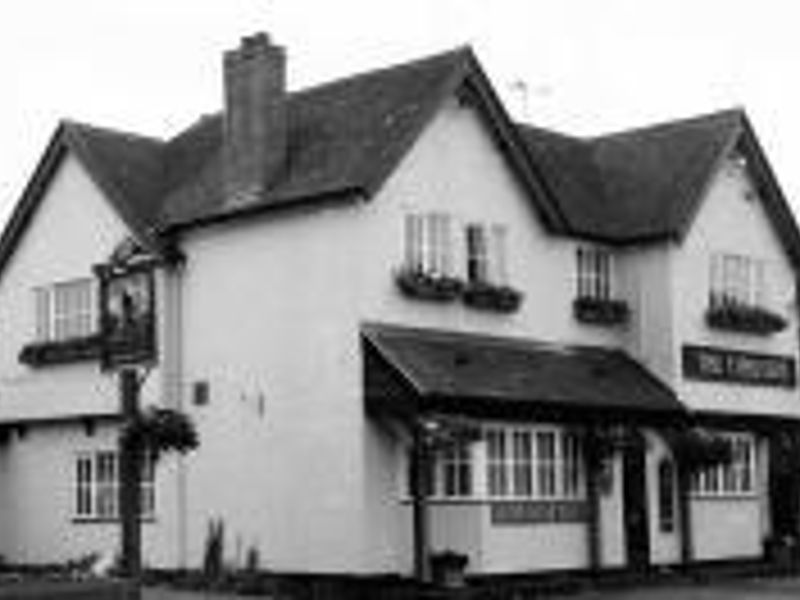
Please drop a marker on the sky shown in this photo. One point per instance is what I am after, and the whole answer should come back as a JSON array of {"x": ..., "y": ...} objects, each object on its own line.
[{"x": 588, "y": 66}]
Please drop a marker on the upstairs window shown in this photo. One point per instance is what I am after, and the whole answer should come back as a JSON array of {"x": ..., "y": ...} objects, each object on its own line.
[
  {"x": 737, "y": 280},
  {"x": 428, "y": 243},
  {"x": 595, "y": 300},
  {"x": 486, "y": 254},
  {"x": 65, "y": 310},
  {"x": 594, "y": 273}
]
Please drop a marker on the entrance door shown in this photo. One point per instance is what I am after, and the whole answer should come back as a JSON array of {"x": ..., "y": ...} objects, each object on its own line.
[
  {"x": 634, "y": 480},
  {"x": 784, "y": 486}
]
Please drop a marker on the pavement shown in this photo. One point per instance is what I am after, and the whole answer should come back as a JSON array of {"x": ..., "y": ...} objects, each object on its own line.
[{"x": 734, "y": 589}]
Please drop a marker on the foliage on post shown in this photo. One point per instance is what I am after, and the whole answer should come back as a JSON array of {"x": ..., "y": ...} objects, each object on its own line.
[{"x": 156, "y": 430}]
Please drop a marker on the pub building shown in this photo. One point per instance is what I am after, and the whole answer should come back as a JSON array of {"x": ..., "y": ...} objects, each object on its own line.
[{"x": 410, "y": 332}]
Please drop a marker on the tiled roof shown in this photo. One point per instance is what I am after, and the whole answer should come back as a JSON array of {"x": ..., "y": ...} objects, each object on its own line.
[
  {"x": 453, "y": 370},
  {"x": 346, "y": 137},
  {"x": 634, "y": 185}
]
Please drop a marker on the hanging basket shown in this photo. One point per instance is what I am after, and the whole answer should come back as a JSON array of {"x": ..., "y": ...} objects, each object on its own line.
[
  {"x": 156, "y": 430},
  {"x": 697, "y": 448}
]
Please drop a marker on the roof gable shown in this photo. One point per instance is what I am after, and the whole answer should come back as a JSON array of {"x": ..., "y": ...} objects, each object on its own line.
[
  {"x": 123, "y": 166},
  {"x": 648, "y": 184}
]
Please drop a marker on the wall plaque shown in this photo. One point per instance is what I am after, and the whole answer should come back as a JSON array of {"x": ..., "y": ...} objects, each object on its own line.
[
  {"x": 708, "y": 363},
  {"x": 539, "y": 511}
]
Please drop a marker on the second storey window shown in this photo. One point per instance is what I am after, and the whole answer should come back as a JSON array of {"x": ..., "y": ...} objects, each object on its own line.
[
  {"x": 595, "y": 300},
  {"x": 486, "y": 253},
  {"x": 594, "y": 273},
  {"x": 739, "y": 298},
  {"x": 737, "y": 280},
  {"x": 65, "y": 310},
  {"x": 428, "y": 243}
]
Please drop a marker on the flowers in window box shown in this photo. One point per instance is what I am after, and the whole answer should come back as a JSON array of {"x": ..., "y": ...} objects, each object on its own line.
[
  {"x": 600, "y": 311},
  {"x": 39, "y": 354},
  {"x": 487, "y": 296},
  {"x": 424, "y": 285},
  {"x": 745, "y": 319}
]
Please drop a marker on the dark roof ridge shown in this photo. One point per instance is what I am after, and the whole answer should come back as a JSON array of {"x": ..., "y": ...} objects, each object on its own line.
[
  {"x": 462, "y": 52},
  {"x": 79, "y": 126},
  {"x": 736, "y": 112}
]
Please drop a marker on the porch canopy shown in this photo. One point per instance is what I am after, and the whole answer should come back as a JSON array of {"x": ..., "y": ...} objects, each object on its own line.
[{"x": 411, "y": 371}]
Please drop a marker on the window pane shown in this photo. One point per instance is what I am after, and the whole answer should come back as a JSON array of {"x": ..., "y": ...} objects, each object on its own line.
[
  {"x": 496, "y": 464},
  {"x": 572, "y": 472},
  {"x": 476, "y": 254},
  {"x": 522, "y": 471},
  {"x": 546, "y": 467}
]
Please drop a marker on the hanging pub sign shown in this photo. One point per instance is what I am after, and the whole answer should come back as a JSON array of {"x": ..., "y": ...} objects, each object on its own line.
[
  {"x": 127, "y": 315},
  {"x": 708, "y": 363}
]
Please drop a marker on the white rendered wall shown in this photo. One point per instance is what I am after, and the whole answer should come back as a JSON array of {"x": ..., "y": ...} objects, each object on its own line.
[
  {"x": 73, "y": 229},
  {"x": 727, "y": 222},
  {"x": 38, "y": 497},
  {"x": 271, "y": 317}
]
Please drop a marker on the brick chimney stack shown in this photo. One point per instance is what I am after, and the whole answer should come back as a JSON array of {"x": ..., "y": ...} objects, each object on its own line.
[{"x": 255, "y": 117}]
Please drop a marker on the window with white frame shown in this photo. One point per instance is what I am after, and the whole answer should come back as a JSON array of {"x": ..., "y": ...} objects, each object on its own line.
[
  {"x": 456, "y": 471},
  {"x": 97, "y": 486},
  {"x": 428, "y": 243},
  {"x": 736, "y": 477},
  {"x": 737, "y": 280},
  {"x": 486, "y": 253},
  {"x": 536, "y": 463},
  {"x": 594, "y": 273},
  {"x": 65, "y": 310}
]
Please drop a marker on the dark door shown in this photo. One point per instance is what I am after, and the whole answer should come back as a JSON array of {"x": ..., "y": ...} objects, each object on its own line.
[
  {"x": 637, "y": 528},
  {"x": 784, "y": 485}
]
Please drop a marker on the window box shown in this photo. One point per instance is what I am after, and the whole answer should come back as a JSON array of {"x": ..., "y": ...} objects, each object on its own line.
[
  {"x": 745, "y": 319},
  {"x": 428, "y": 286},
  {"x": 499, "y": 298},
  {"x": 600, "y": 311},
  {"x": 40, "y": 354}
]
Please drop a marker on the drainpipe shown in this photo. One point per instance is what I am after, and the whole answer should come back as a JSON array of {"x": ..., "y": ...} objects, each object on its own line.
[
  {"x": 420, "y": 467},
  {"x": 172, "y": 389}
]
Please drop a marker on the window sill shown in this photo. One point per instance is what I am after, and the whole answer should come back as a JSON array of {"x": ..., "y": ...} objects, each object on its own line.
[
  {"x": 724, "y": 496},
  {"x": 745, "y": 319},
  {"x": 495, "y": 298},
  {"x": 597, "y": 311},
  {"x": 425, "y": 286},
  {"x": 107, "y": 520},
  {"x": 42, "y": 354}
]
